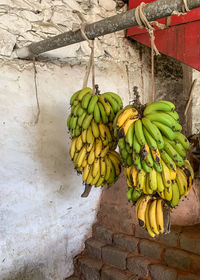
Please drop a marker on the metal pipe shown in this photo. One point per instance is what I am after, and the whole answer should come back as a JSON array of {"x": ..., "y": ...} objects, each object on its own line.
[{"x": 153, "y": 11}]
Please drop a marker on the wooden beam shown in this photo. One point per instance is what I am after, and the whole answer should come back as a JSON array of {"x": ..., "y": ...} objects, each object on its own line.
[{"x": 153, "y": 11}]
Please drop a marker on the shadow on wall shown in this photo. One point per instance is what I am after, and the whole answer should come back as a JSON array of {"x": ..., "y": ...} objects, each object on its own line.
[
  {"x": 28, "y": 272},
  {"x": 52, "y": 146}
]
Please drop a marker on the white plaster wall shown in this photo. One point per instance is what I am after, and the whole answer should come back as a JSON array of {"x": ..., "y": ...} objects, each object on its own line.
[
  {"x": 196, "y": 103},
  {"x": 43, "y": 220}
]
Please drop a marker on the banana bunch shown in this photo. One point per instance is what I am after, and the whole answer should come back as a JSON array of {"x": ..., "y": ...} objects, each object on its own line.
[
  {"x": 86, "y": 107},
  {"x": 93, "y": 142},
  {"x": 153, "y": 150},
  {"x": 152, "y": 215},
  {"x": 169, "y": 185}
]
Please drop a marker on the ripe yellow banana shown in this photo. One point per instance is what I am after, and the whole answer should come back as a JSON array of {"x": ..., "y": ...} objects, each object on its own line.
[
  {"x": 90, "y": 136},
  {"x": 95, "y": 129},
  {"x": 84, "y": 136},
  {"x": 103, "y": 166},
  {"x": 96, "y": 167},
  {"x": 84, "y": 163},
  {"x": 159, "y": 216},
  {"x": 165, "y": 175},
  {"x": 115, "y": 163},
  {"x": 181, "y": 180},
  {"x": 142, "y": 209},
  {"x": 168, "y": 193},
  {"x": 73, "y": 148},
  {"x": 86, "y": 171},
  {"x": 102, "y": 129},
  {"x": 98, "y": 147},
  {"x": 128, "y": 113},
  {"x": 153, "y": 179},
  {"x": 152, "y": 217},
  {"x": 108, "y": 168},
  {"x": 104, "y": 151},
  {"x": 81, "y": 156},
  {"x": 91, "y": 156},
  {"x": 89, "y": 177},
  {"x": 156, "y": 155},
  {"x": 125, "y": 127},
  {"x": 141, "y": 179},
  {"x": 90, "y": 146},
  {"x": 172, "y": 174},
  {"x": 79, "y": 143},
  {"x": 96, "y": 178},
  {"x": 133, "y": 175},
  {"x": 147, "y": 222}
]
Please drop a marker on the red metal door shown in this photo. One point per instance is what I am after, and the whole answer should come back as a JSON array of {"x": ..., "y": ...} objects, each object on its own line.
[{"x": 181, "y": 39}]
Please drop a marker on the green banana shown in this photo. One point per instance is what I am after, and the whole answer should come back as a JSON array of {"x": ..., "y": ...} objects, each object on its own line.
[
  {"x": 129, "y": 135},
  {"x": 150, "y": 140},
  {"x": 156, "y": 106},
  {"x": 81, "y": 119},
  {"x": 175, "y": 195},
  {"x": 92, "y": 104},
  {"x": 129, "y": 193},
  {"x": 154, "y": 131},
  {"x": 87, "y": 121},
  {"x": 74, "y": 96},
  {"x": 145, "y": 166},
  {"x": 83, "y": 92},
  {"x": 106, "y": 104},
  {"x": 136, "y": 145},
  {"x": 139, "y": 132},
  {"x": 129, "y": 160},
  {"x": 104, "y": 117},
  {"x": 77, "y": 130},
  {"x": 76, "y": 109},
  {"x": 177, "y": 147},
  {"x": 174, "y": 115},
  {"x": 97, "y": 116},
  {"x": 124, "y": 154},
  {"x": 170, "y": 104},
  {"x": 157, "y": 166},
  {"x": 122, "y": 143},
  {"x": 173, "y": 154},
  {"x": 182, "y": 139},
  {"x": 117, "y": 98},
  {"x": 136, "y": 160},
  {"x": 112, "y": 114},
  {"x": 73, "y": 122},
  {"x": 168, "y": 160},
  {"x": 149, "y": 159},
  {"x": 165, "y": 130},
  {"x": 165, "y": 119},
  {"x": 112, "y": 102},
  {"x": 68, "y": 121},
  {"x": 135, "y": 195},
  {"x": 85, "y": 101},
  {"x": 112, "y": 176}
]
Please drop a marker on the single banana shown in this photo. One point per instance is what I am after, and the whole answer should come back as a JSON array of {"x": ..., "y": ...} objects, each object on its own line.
[
  {"x": 89, "y": 177},
  {"x": 166, "y": 120},
  {"x": 181, "y": 180},
  {"x": 157, "y": 166},
  {"x": 81, "y": 119},
  {"x": 153, "y": 216},
  {"x": 172, "y": 174},
  {"x": 81, "y": 156},
  {"x": 148, "y": 188},
  {"x": 108, "y": 168},
  {"x": 141, "y": 179},
  {"x": 97, "y": 115},
  {"x": 168, "y": 193},
  {"x": 136, "y": 161},
  {"x": 153, "y": 179},
  {"x": 125, "y": 127},
  {"x": 103, "y": 166},
  {"x": 135, "y": 196},
  {"x": 86, "y": 122},
  {"x": 74, "y": 96},
  {"x": 150, "y": 140},
  {"x": 84, "y": 136},
  {"x": 133, "y": 176},
  {"x": 112, "y": 101},
  {"x": 145, "y": 166},
  {"x": 175, "y": 195},
  {"x": 100, "y": 182},
  {"x": 96, "y": 178},
  {"x": 154, "y": 131},
  {"x": 165, "y": 174},
  {"x": 96, "y": 167},
  {"x": 126, "y": 114},
  {"x": 159, "y": 216},
  {"x": 85, "y": 101},
  {"x": 98, "y": 147},
  {"x": 92, "y": 104},
  {"x": 91, "y": 156},
  {"x": 189, "y": 167},
  {"x": 104, "y": 152},
  {"x": 139, "y": 133},
  {"x": 165, "y": 130},
  {"x": 136, "y": 145},
  {"x": 160, "y": 184},
  {"x": 182, "y": 139},
  {"x": 168, "y": 160},
  {"x": 115, "y": 163},
  {"x": 90, "y": 136},
  {"x": 173, "y": 154},
  {"x": 86, "y": 171},
  {"x": 83, "y": 92},
  {"x": 147, "y": 222},
  {"x": 130, "y": 135},
  {"x": 156, "y": 106},
  {"x": 129, "y": 193},
  {"x": 73, "y": 148},
  {"x": 104, "y": 117},
  {"x": 106, "y": 104},
  {"x": 95, "y": 129},
  {"x": 117, "y": 98},
  {"x": 142, "y": 209}
]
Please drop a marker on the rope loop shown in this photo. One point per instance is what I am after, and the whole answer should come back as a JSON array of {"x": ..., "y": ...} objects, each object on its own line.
[{"x": 91, "y": 59}]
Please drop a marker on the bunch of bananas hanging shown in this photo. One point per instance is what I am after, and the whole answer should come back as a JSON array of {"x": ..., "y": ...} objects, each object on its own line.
[
  {"x": 153, "y": 215},
  {"x": 93, "y": 144},
  {"x": 153, "y": 150}
]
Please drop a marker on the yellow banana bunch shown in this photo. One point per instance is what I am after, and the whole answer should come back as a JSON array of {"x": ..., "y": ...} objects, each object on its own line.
[{"x": 93, "y": 143}]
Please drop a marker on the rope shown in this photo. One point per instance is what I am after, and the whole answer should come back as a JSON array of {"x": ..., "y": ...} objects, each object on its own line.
[
  {"x": 91, "y": 59},
  {"x": 185, "y": 9},
  {"x": 144, "y": 23}
]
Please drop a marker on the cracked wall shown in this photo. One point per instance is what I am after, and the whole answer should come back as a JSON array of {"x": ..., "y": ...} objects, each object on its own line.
[{"x": 43, "y": 220}]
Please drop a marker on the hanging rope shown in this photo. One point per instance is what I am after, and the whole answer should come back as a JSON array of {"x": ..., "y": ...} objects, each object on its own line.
[
  {"x": 91, "y": 59},
  {"x": 144, "y": 23}
]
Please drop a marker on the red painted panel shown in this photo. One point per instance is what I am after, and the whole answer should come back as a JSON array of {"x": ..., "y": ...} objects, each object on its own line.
[{"x": 181, "y": 40}]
